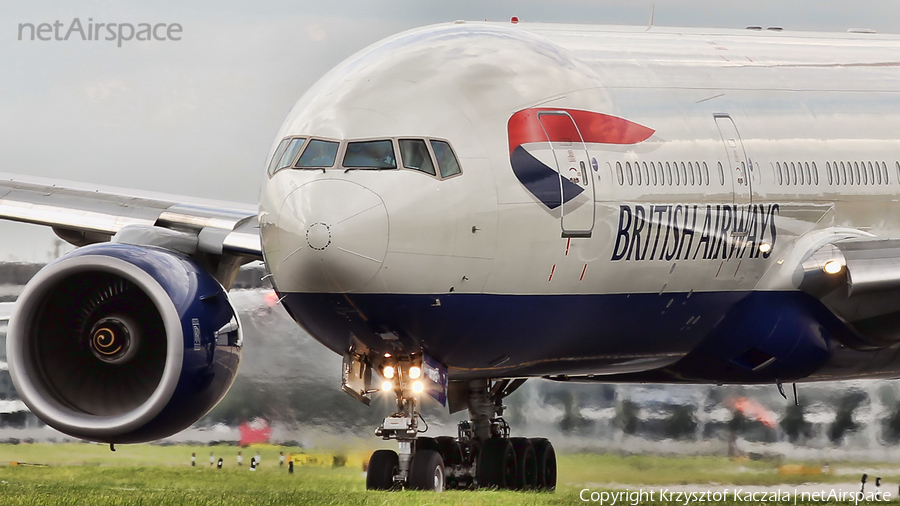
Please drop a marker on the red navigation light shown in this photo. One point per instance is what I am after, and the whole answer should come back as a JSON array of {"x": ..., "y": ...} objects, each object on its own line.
[{"x": 514, "y": 19}]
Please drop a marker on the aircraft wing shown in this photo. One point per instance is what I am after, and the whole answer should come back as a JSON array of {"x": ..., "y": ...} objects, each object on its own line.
[
  {"x": 6, "y": 309},
  {"x": 83, "y": 214},
  {"x": 858, "y": 279}
]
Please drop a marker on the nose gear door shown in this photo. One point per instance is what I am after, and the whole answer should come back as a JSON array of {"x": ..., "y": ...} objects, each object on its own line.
[{"x": 574, "y": 166}]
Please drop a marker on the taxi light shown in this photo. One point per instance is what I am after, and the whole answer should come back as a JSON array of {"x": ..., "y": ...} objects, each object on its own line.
[
  {"x": 417, "y": 387},
  {"x": 765, "y": 247},
  {"x": 387, "y": 386},
  {"x": 833, "y": 267},
  {"x": 388, "y": 372},
  {"x": 415, "y": 371}
]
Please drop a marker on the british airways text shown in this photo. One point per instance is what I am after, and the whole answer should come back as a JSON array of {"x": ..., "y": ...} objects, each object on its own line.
[{"x": 691, "y": 232}]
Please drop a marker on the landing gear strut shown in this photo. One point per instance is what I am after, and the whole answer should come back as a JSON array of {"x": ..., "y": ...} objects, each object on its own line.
[{"x": 481, "y": 455}]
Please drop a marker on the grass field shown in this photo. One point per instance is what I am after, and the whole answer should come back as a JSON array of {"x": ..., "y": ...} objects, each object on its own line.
[{"x": 158, "y": 475}]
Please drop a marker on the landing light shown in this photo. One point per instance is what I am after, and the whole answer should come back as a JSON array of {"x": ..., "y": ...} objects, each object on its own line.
[
  {"x": 833, "y": 267},
  {"x": 387, "y": 386},
  {"x": 414, "y": 372},
  {"x": 765, "y": 247},
  {"x": 388, "y": 372},
  {"x": 417, "y": 387}
]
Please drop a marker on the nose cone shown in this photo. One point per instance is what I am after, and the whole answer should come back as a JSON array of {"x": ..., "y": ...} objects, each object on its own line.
[{"x": 333, "y": 237}]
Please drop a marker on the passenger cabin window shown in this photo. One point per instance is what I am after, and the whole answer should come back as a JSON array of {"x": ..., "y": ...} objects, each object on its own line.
[
  {"x": 370, "y": 155},
  {"x": 416, "y": 156},
  {"x": 652, "y": 173},
  {"x": 318, "y": 154},
  {"x": 288, "y": 150},
  {"x": 447, "y": 162}
]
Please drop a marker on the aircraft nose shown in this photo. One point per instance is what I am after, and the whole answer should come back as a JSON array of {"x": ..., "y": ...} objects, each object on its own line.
[{"x": 333, "y": 236}]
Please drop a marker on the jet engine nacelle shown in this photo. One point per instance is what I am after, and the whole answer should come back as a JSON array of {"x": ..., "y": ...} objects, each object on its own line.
[{"x": 122, "y": 344}]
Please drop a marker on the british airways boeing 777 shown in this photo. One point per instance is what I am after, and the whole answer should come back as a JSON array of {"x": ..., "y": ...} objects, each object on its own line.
[{"x": 464, "y": 206}]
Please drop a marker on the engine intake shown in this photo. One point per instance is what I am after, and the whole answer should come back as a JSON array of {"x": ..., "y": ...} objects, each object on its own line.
[{"x": 121, "y": 343}]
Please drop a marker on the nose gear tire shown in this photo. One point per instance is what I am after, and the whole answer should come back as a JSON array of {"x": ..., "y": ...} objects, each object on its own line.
[
  {"x": 427, "y": 471},
  {"x": 383, "y": 466}
]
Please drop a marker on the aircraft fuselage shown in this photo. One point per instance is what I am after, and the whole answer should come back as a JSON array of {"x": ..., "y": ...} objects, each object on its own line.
[{"x": 630, "y": 206}]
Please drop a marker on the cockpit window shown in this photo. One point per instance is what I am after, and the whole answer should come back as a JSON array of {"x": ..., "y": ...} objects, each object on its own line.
[
  {"x": 288, "y": 154},
  {"x": 318, "y": 153},
  {"x": 370, "y": 155},
  {"x": 446, "y": 159},
  {"x": 416, "y": 156},
  {"x": 277, "y": 156}
]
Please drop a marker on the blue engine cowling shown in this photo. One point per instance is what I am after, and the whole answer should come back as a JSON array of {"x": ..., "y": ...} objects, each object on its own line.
[
  {"x": 123, "y": 344},
  {"x": 767, "y": 337}
]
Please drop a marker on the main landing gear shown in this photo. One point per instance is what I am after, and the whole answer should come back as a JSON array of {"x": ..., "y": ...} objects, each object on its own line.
[{"x": 481, "y": 455}]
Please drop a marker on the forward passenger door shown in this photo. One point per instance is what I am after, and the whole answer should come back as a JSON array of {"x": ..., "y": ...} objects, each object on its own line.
[{"x": 573, "y": 164}]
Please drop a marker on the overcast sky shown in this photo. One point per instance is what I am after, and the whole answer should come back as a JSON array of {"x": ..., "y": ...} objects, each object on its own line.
[{"x": 196, "y": 116}]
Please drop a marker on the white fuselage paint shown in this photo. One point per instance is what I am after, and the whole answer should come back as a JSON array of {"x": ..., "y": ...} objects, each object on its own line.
[{"x": 793, "y": 98}]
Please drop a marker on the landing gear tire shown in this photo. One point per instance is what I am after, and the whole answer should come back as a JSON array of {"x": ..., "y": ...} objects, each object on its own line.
[
  {"x": 383, "y": 466},
  {"x": 545, "y": 458},
  {"x": 426, "y": 443},
  {"x": 446, "y": 446},
  {"x": 497, "y": 464},
  {"x": 526, "y": 469},
  {"x": 427, "y": 471},
  {"x": 451, "y": 452},
  {"x": 481, "y": 456}
]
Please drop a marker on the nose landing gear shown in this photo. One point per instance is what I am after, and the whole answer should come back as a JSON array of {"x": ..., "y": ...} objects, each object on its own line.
[{"x": 482, "y": 454}]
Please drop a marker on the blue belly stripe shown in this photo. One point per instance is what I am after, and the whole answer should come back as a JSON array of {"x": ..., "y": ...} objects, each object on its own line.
[{"x": 712, "y": 336}]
